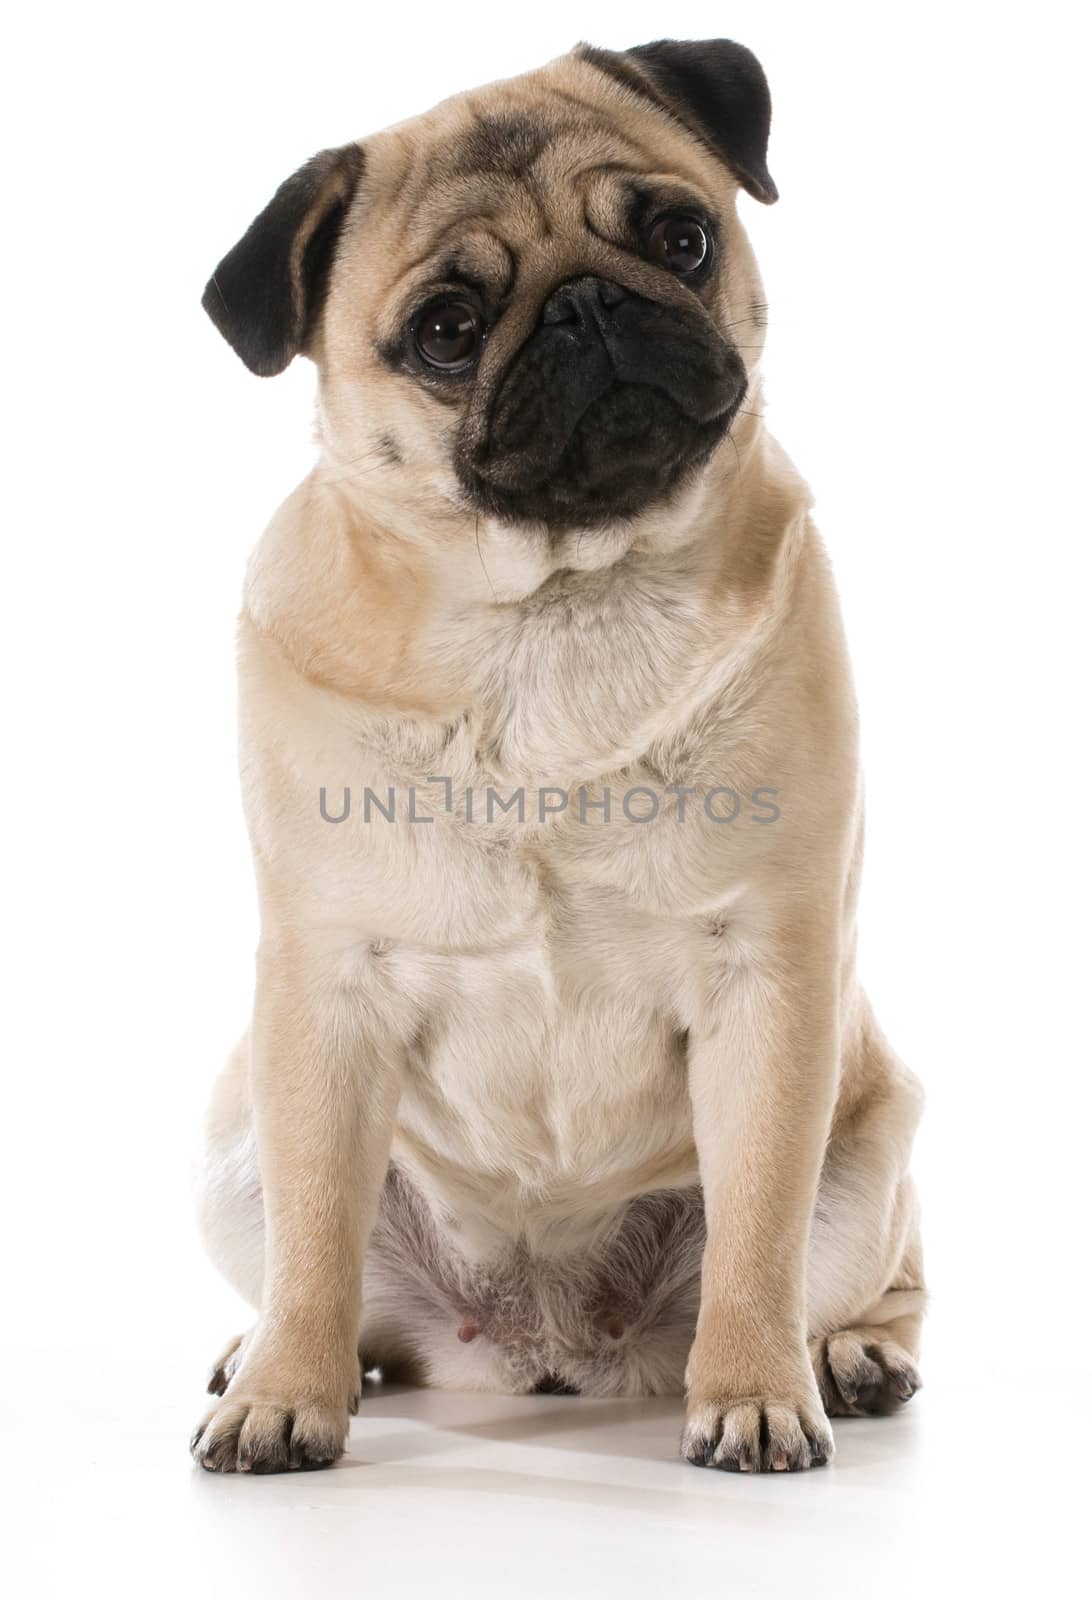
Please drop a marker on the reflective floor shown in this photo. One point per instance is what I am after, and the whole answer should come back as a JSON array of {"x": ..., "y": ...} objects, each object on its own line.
[{"x": 480, "y": 1497}]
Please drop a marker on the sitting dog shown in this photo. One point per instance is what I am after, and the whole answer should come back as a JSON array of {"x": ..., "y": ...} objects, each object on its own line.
[{"x": 559, "y": 1077}]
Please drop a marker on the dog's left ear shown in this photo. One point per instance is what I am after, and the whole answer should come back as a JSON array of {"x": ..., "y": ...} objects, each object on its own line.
[
  {"x": 266, "y": 294},
  {"x": 715, "y": 87}
]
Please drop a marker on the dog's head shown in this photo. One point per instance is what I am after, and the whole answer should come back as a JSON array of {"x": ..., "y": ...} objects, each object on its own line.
[{"x": 527, "y": 303}]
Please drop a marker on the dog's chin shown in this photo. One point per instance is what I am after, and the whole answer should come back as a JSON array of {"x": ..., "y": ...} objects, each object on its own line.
[{"x": 632, "y": 452}]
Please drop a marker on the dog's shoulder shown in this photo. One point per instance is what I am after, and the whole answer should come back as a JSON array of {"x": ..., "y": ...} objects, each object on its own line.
[{"x": 340, "y": 604}]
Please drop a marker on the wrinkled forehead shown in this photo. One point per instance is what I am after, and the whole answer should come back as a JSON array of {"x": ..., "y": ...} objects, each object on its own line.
[{"x": 512, "y": 167}]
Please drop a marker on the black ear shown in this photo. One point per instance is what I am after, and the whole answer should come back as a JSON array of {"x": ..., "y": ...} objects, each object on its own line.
[
  {"x": 714, "y": 87},
  {"x": 266, "y": 294}
]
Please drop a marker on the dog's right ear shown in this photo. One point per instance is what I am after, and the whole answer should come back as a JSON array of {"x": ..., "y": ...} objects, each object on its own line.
[{"x": 267, "y": 292}]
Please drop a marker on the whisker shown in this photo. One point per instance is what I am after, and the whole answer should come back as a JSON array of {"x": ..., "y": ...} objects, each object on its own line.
[
  {"x": 481, "y": 558},
  {"x": 759, "y": 309}
]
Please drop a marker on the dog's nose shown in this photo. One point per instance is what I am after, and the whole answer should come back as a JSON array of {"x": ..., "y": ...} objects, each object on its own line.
[{"x": 582, "y": 300}]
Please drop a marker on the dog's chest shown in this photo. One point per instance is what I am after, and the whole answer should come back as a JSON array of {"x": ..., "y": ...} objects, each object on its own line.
[
  {"x": 538, "y": 890},
  {"x": 549, "y": 932},
  {"x": 459, "y": 851},
  {"x": 572, "y": 796}
]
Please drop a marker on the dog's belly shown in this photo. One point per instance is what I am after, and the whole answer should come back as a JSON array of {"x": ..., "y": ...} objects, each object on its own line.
[
  {"x": 542, "y": 1221},
  {"x": 544, "y": 1195},
  {"x": 615, "y": 1317},
  {"x": 535, "y": 1108}
]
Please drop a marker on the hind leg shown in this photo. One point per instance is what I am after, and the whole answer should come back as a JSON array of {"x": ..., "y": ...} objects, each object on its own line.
[
  {"x": 228, "y": 1183},
  {"x": 230, "y": 1210},
  {"x": 866, "y": 1293},
  {"x": 870, "y": 1368}
]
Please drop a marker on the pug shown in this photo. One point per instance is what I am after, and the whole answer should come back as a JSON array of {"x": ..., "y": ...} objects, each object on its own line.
[{"x": 559, "y": 1077}]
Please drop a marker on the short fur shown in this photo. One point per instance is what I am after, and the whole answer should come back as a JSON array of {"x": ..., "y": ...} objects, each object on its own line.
[{"x": 553, "y": 1103}]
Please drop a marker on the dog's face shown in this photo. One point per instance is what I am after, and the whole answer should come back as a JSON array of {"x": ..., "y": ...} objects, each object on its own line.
[{"x": 527, "y": 304}]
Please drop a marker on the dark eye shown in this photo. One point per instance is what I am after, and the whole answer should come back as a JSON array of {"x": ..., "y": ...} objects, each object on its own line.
[
  {"x": 678, "y": 243},
  {"x": 449, "y": 333}
]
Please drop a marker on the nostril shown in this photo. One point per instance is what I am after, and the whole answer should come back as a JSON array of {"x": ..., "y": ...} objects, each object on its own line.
[
  {"x": 582, "y": 301},
  {"x": 560, "y": 308}
]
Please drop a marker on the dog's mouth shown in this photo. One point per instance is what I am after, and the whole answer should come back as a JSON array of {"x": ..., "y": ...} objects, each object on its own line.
[
  {"x": 630, "y": 450},
  {"x": 602, "y": 416}
]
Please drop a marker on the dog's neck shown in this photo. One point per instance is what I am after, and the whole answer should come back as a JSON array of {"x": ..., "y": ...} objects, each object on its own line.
[{"x": 437, "y": 614}]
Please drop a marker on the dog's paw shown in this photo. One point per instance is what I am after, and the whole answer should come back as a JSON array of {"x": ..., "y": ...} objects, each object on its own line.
[
  {"x": 258, "y": 1433},
  {"x": 757, "y": 1434},
  {"x": 861, "y": 1375}
]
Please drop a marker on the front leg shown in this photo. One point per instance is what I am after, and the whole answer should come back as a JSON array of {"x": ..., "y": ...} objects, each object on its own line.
[
  {"x": 324, "y": 1090},
  {"x": 763, "y": 1073}
]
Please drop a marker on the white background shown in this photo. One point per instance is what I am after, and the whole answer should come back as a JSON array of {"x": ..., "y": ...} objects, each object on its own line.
[{"x": 928, "y": 369}]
